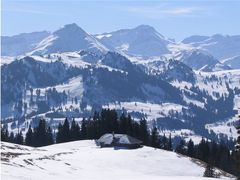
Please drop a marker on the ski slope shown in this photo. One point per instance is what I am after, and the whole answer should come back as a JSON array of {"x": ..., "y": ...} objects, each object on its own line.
[{"x": 84, "y": 160}]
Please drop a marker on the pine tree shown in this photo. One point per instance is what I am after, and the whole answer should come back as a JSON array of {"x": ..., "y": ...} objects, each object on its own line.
[
  {"x": 19, "y": 138},
  {"x": 75, "y": 131},
  {"x": 164, "y": 143},
  {"x": 190, "y": 148},
  {"x": 111, "y": 120},
  {"x": 3, "y": 138},
  {"x": 63, "y": 134},
  {"x": 66, "y": 131},
  {"x": 49, "y": 136},
  {"x": 96, "y": 125},
  {"x": 237, "y": 151},
  {"x": 40, "y": 134},
  {"x": 144, "y": 132},
  {"x": 59, "y": 138},
  {"x": 154, "y": 138},
  {"x": 123, "y": 124},
  {"x": 169, "y": 146},
  {"x": 11, "y": 137},
  {"x": 181, "y": 147},
  {"x": 203, "y": 150},
  {"x": 209, "y": 171},
  {"x": 214, "y": 152},
  {"x": 29, "y": 137},
  {"x": 83, "y": 129},
  {"x": 4, "y": 135},
  {"x": 129, "y": 125}
]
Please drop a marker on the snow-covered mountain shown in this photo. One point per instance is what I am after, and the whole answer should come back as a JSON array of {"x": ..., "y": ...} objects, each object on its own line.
[
  {"x": 233, "y": 62},
  {"x": 220, "y": 46},
  {"x": 69, "y": 38},
  {"x": 175, "y": 86},
  {"x": 84, "y": 160},
  {"x": 143, "y": 40},
  {"x": 199, "y": 60},
  {"x": 169, "y": 96},
  {"x": 22, "y": 43}
]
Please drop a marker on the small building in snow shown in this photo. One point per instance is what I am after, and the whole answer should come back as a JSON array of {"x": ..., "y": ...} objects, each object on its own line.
[{"x": 119, "y": 140}]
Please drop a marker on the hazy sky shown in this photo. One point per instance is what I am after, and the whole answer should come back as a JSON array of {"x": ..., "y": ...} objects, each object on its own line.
[{"x": 175, "y": 19}]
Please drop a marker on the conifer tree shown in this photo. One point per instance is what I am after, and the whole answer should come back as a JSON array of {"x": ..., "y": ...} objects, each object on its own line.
[
  {"x": 164, "y": 142},
  {"x": 154, "y": 138},
  {"x": 203, "y": 150},
  {"x": 129, "y": 125},
  {"x": 49, "y": 137},
  {"x": 190, "y": 148},
  {"x": 143, "y": 131},
  {"x": 169, "y": 146},
  {"x": 237, "y": 151},
  {"x": 181, "y": 147},
  {"x": 96, "y": 126},
  {"x": 123, "y": 124},
  {"x": 63, "y": 134},
  {"x": 11, "y": 138},
  {"x": 42, "y": 135},
  {"x": 209, "y": 171},
  {"x": 59, "y": 138},
  {"x": 4, "y": 135},
  {"x": 29, "y": 137},
  {"x": 3, "y": 138},
  {"x": 75, "y": 131},
  {"x": 66, "y": 131},
  {"x": 18, "y": 138},
  {"x": 83, "y": 129}
]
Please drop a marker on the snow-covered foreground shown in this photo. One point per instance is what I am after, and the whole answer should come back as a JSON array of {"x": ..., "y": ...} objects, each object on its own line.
[{"x": 84, "y": 160}]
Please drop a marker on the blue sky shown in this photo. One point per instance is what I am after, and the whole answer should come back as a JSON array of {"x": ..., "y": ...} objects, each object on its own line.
[{"x": 174, "y": 19}]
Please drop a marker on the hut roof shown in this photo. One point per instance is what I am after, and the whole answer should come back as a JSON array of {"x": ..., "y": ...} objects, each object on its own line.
[{"x": 107, "y": 139}]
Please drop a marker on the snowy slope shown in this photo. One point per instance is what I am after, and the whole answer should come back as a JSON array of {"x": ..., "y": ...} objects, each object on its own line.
[
  {"x": 150, "y": 110},
  {"x": 218, "y": 81},
  {"x": 22, "y": 43},
  {"x": 68, "y": 38},
  {"x": 84, "y": 160},
  {"x": 143, "y": 40},
  {"x": 220, "y": 46},
  {"x": 225, "y": 128},
  {"x": 163, "y": 91},
  {"x": 233, "y": 62},
  {"x": 200, "y": 60},
  {"x": 7, "y": 59}
]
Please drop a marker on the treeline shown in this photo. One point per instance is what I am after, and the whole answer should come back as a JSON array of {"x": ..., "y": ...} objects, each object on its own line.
[
  {"x": 6, "y": 137},
  {"x": 36, "y": 137},
  {"x": 218, "y": 155},
  {"x": 236, "y": 153},
  {"x": 108, "y": 121}
]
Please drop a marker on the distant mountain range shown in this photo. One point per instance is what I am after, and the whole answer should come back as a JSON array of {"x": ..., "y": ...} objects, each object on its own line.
[
  {"x": 217, "y": 52},
  {"x": 142, "y": 41},
  {"x": 22, "y": 43},
  {"x": 190, "y": 86}
]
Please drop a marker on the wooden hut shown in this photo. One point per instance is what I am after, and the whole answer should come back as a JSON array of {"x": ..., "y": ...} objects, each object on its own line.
[{"x": 119, "y": 140}]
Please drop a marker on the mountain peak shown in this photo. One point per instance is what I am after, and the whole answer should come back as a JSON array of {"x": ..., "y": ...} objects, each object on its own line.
[
  {"x": 71, "y": 25},
  {"x": 145, "y": 27},
  {"x": 70, "y": 28},
  {"x": 69, "y": 38}
]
